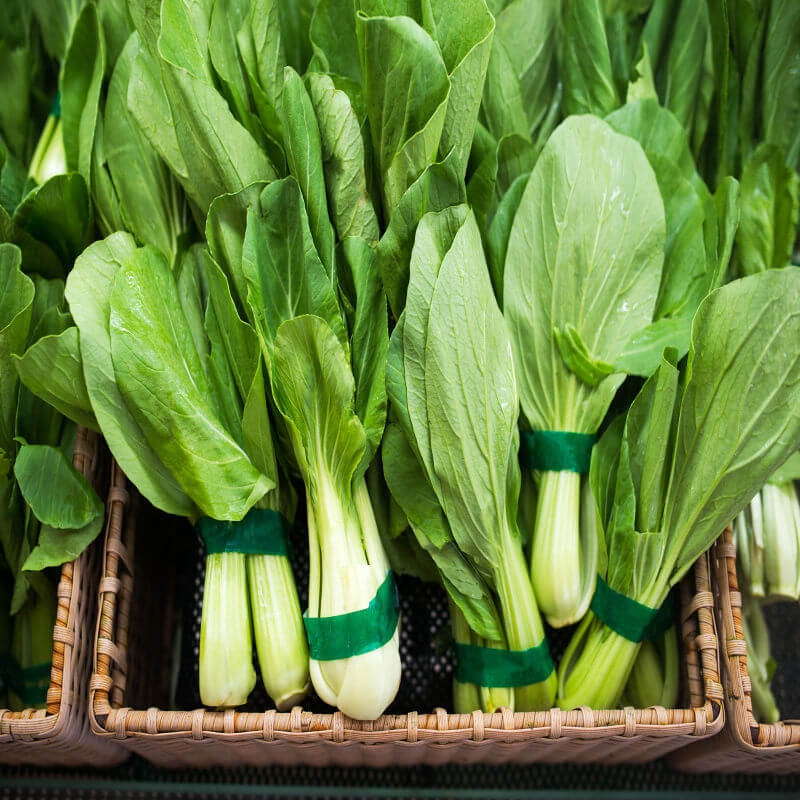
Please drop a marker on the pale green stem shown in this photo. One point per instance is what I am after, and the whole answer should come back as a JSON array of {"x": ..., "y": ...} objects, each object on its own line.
[
  {"x": 521, "y": 620},
  {"x": 226, "y": 647},
  {"x": 49, "y": 158},
  {"x": 559, "y": 573}
]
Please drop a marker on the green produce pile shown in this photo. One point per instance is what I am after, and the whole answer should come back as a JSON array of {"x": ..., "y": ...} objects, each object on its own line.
[{"x": 502, "y": 290}]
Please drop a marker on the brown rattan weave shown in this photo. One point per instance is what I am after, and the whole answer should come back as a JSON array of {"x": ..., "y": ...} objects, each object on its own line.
[
  {"x": 60, "y": 733},
  {"x": 203, "y": 737},
  {"x": 745, "y": 745}
]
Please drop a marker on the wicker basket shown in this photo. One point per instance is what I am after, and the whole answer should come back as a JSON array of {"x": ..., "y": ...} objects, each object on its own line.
[
  {"x": 202, "y": 738},
  {"x": 746, "y": 745},
  {"x": 59, "y": 734}
]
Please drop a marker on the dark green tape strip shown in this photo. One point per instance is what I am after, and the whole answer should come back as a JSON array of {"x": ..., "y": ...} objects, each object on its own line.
[
  {"x": 489, "y": 666},
  {"x": 261, "y": 532},
  {"x": 55, "y": 109},
  {"x": 556, "y": 451},
  {"x": 629, "y": 618},
  {"x": 30, "y": 684},
  {"x": 347, "y": 635}
]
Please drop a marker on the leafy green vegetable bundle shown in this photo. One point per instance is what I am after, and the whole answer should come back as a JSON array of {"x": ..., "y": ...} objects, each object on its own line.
[
  {"x": 183, "y": 407},
  {"x": 451, "y": 460},
  {"x": 689, "y": 454}
]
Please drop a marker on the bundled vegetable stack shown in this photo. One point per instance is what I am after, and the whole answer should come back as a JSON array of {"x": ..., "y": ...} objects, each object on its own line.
[
  {"x": 48, "y": 511},
  {"x": 459, "y": 269}
]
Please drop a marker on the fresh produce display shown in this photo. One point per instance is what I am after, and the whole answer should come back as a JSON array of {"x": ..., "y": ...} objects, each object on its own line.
[{"x": 502, "y": 290}]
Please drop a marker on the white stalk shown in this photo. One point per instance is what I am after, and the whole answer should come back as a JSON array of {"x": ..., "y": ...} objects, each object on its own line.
[
  {"x": 562, "y": 566},
  {"x": 348, "y": 566},
  {"x": 781, "y": 546},
  {"x": 226, "y": 646},
  {"x": 279, "y": 632},
  {"x": 49, "y": 158}
]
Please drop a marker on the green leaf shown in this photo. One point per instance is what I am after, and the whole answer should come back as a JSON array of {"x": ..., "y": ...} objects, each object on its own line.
[
  {"x": 81, "y": 83},
  {"x": 370, "y": 341},
  {"x": 738, "y": 421},
  {"x": 500, "y": 231},
  {"x": 780, "y": 89},
  {"x": 226, "y": 225},
  {"x": 56, "y": 492},
  {"x": 588, "y": 79},
  {"x": 343, "y": 160},
  {"x": 16, "y": 303},
  {"x": 304, "y": 157},
  {"x": 52, "y": 370},
  {"x": 642, "y": 354},
  {"x": 770, "y": 209},
  {"x": 333, "y": 38},
  {"x": 580, "y": 255},
  {"x": 471, "y": 400},
  {"x": 58, "y": 213},
  {"x": 413, "y": 493},
  {"x": 435, "y": 240},
  {"x": 436, "y": 189},
  {"x": 406, "y": 90},
  {"x": 790, "y": 471},
  {"x": 284, "y": 273},
  {"x": 314, "y": 390},
  {"x": 160, "y": 375},
  {"x": 55, "y": 547},
  {"x": 528, "y": 31},
  {"x": 89, "y": 294},
  {"x": 577, "y": 357},
  {"x": 295, "y": 20},
  {"x": 148, "y": 197},
  {"x": 685, "y": 62},
  {"x": 463, "y": 31},
  {"x": 184, "y": 40}
]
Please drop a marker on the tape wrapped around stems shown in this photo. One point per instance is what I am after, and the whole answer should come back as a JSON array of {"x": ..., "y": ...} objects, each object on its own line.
[
  {"x": 629, "y": 618},
  {"x": 262, "y": 532},
  {"x": 55, "y": 109},
  {"x": 556, "y": 451},
  {"x": 357, "y": 632},
  {"x": 495, "y": 667}
]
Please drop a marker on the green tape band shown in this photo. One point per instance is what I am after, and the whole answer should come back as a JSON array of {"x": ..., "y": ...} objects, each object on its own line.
[
  {"x": 261, "y": 532},
  {"x": 629, "y": 618},
  {"x": 30, "y": 684},
  {"x": 489, "y": 666},
  {"x": 362, "y": 631},
  {"x": 556, "y": 451},
  {"x": 55, "y": 109}
]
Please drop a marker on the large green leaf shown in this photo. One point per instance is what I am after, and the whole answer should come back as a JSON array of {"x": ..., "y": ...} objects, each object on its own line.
[
  {"x": 472, "y": 401},
  {"x": 314, "y": 390},
  {"x": 411, "y": 490},
  {"x": 739, "y": 420},
  {"x": 370, "y": 341},
  {"x": 343, "y": 159},
  {"x": 56, "y": 492},
  {"x": 770, "y": 209},
  {"x": 406, "y": 90},
  {"x": 304, "y": 157},
  {"x": 160, "y": 375},
  {"x": 81, "y": 83},
  {"x": 89, "y": 292},
  {"x": 588, "y": 79},
  {"x": 437, "y": 188},
  {"x": 584, "y": 257},
  {"x": 148, "y": 198},
  {"x": 52, "y": 369},
  {"x": 58, "y": 213},
  {"x": 284, "y": 273},
  {"x": 463, "y": 31},
  {"x": 16, "y": 302}
]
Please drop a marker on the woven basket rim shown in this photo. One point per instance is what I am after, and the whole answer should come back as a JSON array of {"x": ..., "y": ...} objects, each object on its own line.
[
  {"x": 110, "y": 717},
  {"x": 32, "y": 724},
  {"x": 749, "y": 734}
]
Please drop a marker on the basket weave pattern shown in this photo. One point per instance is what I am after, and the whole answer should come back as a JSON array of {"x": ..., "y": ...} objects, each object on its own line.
[
  {"x": 747, "y": 745},
  {"x": 204, "y": 737},
  {"x": 59, "y": 734}
]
